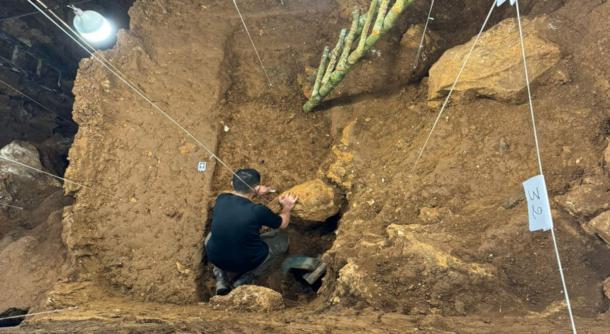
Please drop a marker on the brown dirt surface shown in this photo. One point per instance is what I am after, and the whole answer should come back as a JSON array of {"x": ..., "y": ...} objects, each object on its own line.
[
  {"x": 135, "y": 237},
  {"x": 32, "y": 256}
]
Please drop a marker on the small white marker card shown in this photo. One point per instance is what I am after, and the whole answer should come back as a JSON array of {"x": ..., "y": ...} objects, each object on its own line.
[
  {"x": 500, "y": 2},
  {"x": 538, "y": 206},
  {"x": 202, "y": 166}
]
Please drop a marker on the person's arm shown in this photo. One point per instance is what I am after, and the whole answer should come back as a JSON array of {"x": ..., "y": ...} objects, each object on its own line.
[
  {"x": 263, "y": 190},
  {"x": 287, "y": 201}
]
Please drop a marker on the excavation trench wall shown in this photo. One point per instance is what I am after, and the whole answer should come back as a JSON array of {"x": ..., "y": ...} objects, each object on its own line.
[{"x": 138, "y": 229}]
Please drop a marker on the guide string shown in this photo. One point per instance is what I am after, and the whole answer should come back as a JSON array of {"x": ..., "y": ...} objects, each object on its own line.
[
  {"x": 36, "y": 169},
  {"x": 33, "y": 100},
  {"x": 457, "y": 79},
  {"x": 423, "y": 36},
  {"x": 252, "y": 41},
  {"x": 535, "y": 130},
  {"x": 106, "y": 64},
  {"x": 11, "y": 206},
  {"x": 39, "y": 313},
  {"x": 36, "y": 12},
  {"x": 45, "y": 173}
]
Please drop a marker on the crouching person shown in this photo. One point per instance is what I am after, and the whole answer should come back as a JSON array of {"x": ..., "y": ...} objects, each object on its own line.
[{"x": 235, "y": 245}]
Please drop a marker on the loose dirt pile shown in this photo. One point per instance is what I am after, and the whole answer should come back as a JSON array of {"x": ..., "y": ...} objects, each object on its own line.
[{"x": 441, "y": 248}]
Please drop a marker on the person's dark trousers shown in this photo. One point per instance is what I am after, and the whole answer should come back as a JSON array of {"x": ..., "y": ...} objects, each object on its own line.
[
  {"x": 276, "y": 240},
  {"x": 222, "y": 279}
]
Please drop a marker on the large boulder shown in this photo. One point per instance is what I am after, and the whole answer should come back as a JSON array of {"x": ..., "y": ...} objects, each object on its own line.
[
  {"x": 249, "y": 298},
  {"x": 495, "y": 69},
  {"x": 22, "y": 152},
  {"x": 318, "y": 201},
  {"x": 21, "y": 186},
  {"x": 600, "y": 226}
]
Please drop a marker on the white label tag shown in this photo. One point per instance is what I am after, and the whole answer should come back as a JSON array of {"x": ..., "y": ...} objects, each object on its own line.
[
  {"x": 538, "y": 206},
  {"x": 202, "y": 166},
  {"x": 500, "y": 2}
]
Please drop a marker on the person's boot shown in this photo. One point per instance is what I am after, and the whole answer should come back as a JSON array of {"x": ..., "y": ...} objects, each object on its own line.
[
  {"x": 222, "y": 282},
  {"x": 245, "y": 279}
]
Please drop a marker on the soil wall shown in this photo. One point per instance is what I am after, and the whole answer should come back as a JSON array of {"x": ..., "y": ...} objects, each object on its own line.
[{"x": 139, "y": 226}]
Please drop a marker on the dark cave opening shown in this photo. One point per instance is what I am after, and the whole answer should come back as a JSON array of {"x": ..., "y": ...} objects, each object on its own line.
[{"x": 12, "y": 317}]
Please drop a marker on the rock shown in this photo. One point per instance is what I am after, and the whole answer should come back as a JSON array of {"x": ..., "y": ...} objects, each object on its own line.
[
  {"x": 353, "y": 282},
  {"x": 306, "y": 80},
  {"x": 495, "y": 69},
  {"x": 249, "y": 298},
  {"x": 504, "y": 146},
  {"x": 606, "y": 287},
  {"x": 600, "y": 226},
  {"x": 317, "y": 201},
  {"x": 587, "y": 199},
  {"x": 19, "y": 184},
  {"x": 341, "y": 170},
  {"x": 22, "y": 152},
  {"x": 513, "y": 201},
  {"x": 412, "y": 243},
  {"x": 409, "y": 44}
]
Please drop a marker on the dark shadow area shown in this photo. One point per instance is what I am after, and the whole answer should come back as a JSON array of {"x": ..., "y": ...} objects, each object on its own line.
[
  {"x": 306, "y": 239},
  {"x": 12, "y": 317}
]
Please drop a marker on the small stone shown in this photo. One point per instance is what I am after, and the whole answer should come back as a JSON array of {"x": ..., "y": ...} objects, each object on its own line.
[
  {"x": 182, "y": 269},
  {"x": 249, "y": 298},
  {"x": 106, "y": 85},
  {"x": 504, "y": 146},
  {"x": 512, "y": 201}
]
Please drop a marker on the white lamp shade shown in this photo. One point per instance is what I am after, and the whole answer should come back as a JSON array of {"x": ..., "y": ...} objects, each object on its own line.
[{"x": 93, "y": 27}]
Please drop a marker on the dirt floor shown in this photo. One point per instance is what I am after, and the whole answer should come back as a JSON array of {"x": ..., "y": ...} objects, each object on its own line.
[{"x": 443, "y": 248}]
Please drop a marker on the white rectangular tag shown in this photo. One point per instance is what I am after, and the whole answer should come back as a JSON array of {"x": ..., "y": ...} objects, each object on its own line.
[
  {"x": 538, "y": 206},
  {"x": 500, "y": 2}
]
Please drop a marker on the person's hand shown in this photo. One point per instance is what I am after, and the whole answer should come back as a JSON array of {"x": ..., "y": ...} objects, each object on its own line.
[
  {"x": 288, "y": 200},
  {"x": 263, "y": 190}
]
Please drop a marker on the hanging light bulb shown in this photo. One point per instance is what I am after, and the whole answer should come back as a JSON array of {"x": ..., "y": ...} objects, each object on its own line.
[{"x": 92, "y": 26}]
